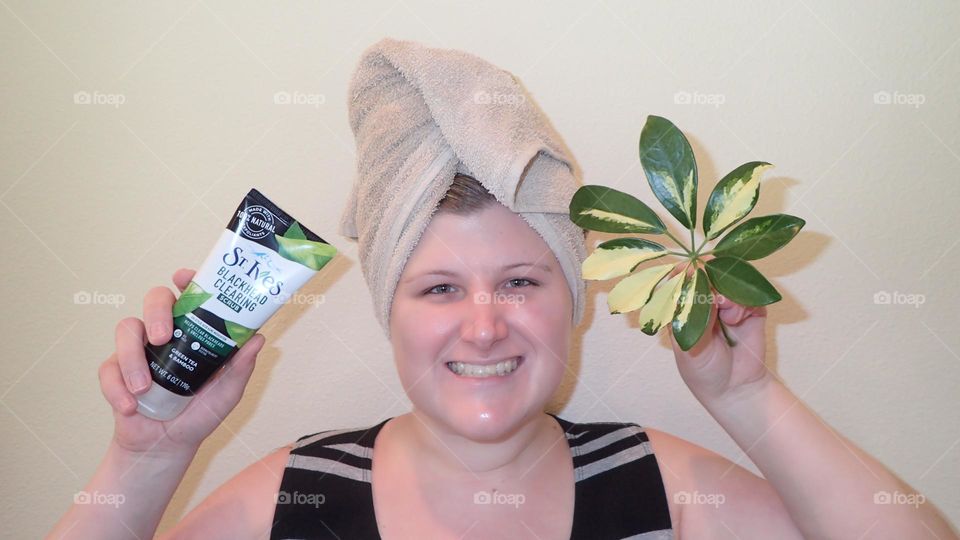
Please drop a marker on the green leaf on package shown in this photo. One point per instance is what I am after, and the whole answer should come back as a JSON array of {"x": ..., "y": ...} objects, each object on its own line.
[
  {"x": 190, "y": 299},
  {"x": 306, "y": 252},
  {"x": 295, "y": 232},
  {"x": 239, "y": 333}
]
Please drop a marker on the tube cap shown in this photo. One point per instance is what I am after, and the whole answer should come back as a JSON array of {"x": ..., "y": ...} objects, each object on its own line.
[{"x": 161, "y": 404}]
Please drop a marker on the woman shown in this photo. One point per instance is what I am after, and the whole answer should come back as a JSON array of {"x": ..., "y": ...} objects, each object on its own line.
[{"x": 480, "y": 321}]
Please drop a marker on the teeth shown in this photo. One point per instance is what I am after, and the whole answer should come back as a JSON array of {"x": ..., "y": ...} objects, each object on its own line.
[{"x": 499, "y": 369}]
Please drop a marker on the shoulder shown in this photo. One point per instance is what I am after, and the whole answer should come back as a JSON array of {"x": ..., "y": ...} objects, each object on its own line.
[
  {"x": 704, "y": 488},
  {"x": 242, "y": 507}
]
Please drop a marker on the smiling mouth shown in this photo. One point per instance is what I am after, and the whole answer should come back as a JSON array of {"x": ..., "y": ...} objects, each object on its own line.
[{"x": 477, "y": 371}]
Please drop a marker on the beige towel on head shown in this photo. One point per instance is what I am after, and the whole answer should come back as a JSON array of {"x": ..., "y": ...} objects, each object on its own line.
[{"x": 420, "y": 115}]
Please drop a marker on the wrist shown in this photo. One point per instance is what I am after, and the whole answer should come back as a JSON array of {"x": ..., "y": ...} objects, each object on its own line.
[
  {"x": 157, "y": 456},
  {"x": 746, "y": 395}
]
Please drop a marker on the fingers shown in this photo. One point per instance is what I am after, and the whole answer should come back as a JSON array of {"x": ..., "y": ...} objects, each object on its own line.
[
  {"x": 732, "y": 313},
  {"x": 182, "y": 277},
  {"x": 158, "y": 314},
  {"x": 114, "y": 389},
  {"x": 131, "y": 356}
]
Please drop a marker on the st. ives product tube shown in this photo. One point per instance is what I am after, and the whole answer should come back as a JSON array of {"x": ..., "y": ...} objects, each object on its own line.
[{"x": 260, "y": 260}]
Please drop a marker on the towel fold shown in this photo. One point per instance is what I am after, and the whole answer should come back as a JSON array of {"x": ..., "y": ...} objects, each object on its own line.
[{"x": 421, "y": 115}]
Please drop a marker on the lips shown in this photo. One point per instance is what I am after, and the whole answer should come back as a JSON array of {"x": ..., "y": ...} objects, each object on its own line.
[{"x": 498, "y": 369}]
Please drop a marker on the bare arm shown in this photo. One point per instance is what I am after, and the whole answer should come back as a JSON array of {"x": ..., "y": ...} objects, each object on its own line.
[
  {"x": 146, "y": 459},
  {"x": 831, "y": 488},
  {"x": 241, "y": 508},
  {"x": 126, "y": 496}
]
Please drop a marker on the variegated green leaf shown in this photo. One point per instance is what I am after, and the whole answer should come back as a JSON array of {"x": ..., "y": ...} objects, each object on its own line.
[
  {"x": 733, "y": 197},
  {"x": 693, "y": 312},
  {"x": 633, "y": 291},
  {"x": 619, "y": 257},
  {"x": 662, "y": 305},
  {"x": 758, "y": 237},
  {"x": 739, "y": 281},
  {"x": 599, "y": 208},
  {"x": 671, "y": 168}
]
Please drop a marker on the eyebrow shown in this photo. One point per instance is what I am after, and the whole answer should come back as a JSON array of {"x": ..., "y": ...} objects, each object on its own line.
[{"x": 442, "y": 272}]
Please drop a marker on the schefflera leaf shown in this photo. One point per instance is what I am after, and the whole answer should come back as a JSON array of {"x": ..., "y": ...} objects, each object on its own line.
[
  {"x": 739, "y": 281},
  {"x": 618, "y": 257},
  {"x": 693, "y": 310},
  {"x": 662, "y": 305},
  {"x": 633, "y": 291},
  {"x": 733, "y": 197},
  {"x": 600, "y": 208},
  {"x": 190, "y": 299},
  {"x": 671, "y": 168},
  {"x": 758, "y": 237}
]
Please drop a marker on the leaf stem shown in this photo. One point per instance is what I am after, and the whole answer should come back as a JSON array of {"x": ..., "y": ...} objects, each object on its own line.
[
  {"x": 723, "y": 327},
  {"x": 674, "y": 238}
]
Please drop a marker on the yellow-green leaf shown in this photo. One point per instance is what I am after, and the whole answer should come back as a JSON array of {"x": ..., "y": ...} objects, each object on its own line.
[
  {"x": 619, "y": 257},
  {"x": 693, "y": 312},
  {"x": 671, "y": 169},
  {"x": 600, "y": 208},
  {"x": 633, "y": 291},
  {"x": 662, "y": 305},
  {"x": 733, "y": 197}
]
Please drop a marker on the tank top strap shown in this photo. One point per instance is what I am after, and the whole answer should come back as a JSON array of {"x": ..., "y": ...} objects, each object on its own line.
[
  {"x": 325, "y": 492},
  {"x": 619, "y": 492}
]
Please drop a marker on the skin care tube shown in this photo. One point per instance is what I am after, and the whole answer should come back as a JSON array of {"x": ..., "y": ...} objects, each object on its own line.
[{"x": 259, "y": 262}]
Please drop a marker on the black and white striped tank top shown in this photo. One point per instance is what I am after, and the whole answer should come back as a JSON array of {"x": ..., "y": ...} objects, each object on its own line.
[{"x": 326, "y": 489}]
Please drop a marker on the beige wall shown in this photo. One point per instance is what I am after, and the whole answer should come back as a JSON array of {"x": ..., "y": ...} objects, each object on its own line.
[{"x": 112, "y": 199}]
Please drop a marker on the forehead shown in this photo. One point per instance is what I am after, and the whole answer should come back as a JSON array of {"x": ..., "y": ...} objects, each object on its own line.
[{"x": 489, "y": 238}]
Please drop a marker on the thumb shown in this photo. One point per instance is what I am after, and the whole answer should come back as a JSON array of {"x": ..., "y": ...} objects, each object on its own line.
[{"x": 225, "y": 390}]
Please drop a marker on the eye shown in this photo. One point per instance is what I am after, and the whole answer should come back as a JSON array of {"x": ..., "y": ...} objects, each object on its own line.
[
  {"x": 522, "y": 280},
  {"x": 431, "y": 290}
]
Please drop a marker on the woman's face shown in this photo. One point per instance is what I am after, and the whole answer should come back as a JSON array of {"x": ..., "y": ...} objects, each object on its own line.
[{"x": 480, "y": 289}]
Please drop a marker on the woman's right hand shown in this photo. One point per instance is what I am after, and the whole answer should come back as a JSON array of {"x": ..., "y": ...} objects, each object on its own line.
[{"x": 125, "y": 374}]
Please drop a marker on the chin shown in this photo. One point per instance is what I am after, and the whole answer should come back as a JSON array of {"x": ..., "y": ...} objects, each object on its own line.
[{"x": 481, "y": 423}]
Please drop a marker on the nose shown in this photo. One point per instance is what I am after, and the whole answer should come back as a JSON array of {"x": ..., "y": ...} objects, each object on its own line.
[{"x": 483, "y": 324}]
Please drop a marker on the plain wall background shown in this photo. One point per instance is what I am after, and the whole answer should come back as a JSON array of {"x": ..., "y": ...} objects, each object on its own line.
[{"x": 110, "y": 200}]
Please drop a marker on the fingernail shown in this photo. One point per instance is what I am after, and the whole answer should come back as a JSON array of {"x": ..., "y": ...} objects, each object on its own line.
[
  {"x": 139, "y": 381},
  {"x": 158, "y": 330}
]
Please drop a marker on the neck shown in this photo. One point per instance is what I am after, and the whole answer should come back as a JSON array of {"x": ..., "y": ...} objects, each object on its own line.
[{"x": 509, "y": 457}]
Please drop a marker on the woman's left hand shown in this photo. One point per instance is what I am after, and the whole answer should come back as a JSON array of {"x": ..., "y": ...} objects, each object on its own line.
[{"x": 715, "y": 371}]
